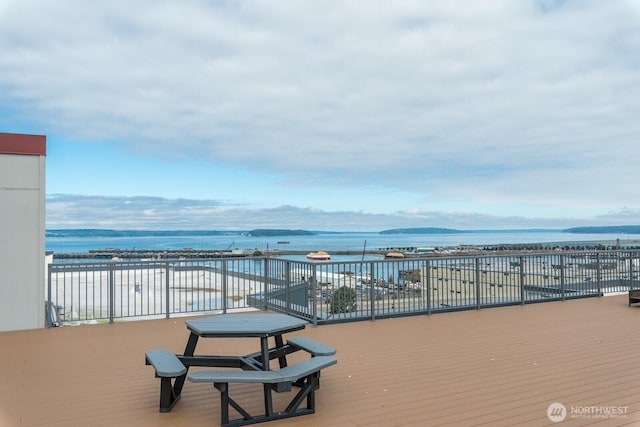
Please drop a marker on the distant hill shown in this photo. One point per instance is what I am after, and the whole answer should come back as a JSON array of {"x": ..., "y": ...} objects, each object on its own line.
[
  {"x": 436, "y": 230},
  {"x": 97, "y": 232},
  {"x": 425, "y": 230},
  {"x": 626, "y": 229},
  {"x": 265, "y": 232},
  {"x": 271, "y": 232}
]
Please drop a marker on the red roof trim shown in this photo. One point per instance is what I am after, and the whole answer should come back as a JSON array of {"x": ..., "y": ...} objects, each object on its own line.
[{"x": 16, "y": 143}]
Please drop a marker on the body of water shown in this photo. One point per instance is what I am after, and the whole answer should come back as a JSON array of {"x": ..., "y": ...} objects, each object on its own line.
[{"x": 332, "y": 242}]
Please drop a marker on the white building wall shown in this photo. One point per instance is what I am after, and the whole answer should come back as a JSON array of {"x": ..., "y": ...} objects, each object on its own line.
[{"x": 22, "y": 241}]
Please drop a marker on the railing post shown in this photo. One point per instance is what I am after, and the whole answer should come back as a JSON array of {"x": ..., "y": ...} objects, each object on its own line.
[
  {"x": 225, "y": 285},
  {"x": 630, "y": 270},
  {"x": 633, "y": 272},
  {"x": 112, "y": 293},
  {"x": 49, "y": 293},
  {"x": 599, "y": 273},
  {"x": 562, "y": 279},
  {"x": 477, "y": 283},
  {"x": 522, "y": 294},
  {"x": 427, "y": 285},
  {"x": 313, "y": 288},
  {"x": 265, "y": 283},
  {"x": 631, "y": 275},
  {"x": 372, "y": 294},
  {"x": 287, "y": 285},
  {"x": 166, "y": 290}
]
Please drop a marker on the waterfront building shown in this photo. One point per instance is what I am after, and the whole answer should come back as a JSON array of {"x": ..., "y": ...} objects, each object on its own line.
[{"x": 22, "y": 227}]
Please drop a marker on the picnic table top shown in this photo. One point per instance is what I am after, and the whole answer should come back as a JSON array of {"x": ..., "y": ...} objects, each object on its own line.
[{"x": 245, "y": 325}]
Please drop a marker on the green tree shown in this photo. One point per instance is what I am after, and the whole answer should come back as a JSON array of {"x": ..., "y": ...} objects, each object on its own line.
[{"x": 343, "y": 300}]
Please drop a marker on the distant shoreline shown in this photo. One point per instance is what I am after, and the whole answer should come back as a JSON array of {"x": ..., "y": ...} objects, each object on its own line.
[
  {"x": 409, "y": 252},
  {"x": 423, "y": 231}
]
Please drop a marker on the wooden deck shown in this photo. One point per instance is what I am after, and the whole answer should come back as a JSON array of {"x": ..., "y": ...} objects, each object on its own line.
[{"x": 494, "y": 367}]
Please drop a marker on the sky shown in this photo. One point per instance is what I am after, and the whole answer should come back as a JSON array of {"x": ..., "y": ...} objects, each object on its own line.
[{"x": 328, "y": 115}]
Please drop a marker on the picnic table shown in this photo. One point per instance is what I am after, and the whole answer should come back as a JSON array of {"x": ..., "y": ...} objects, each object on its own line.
[
  {"x": 262, "y": 326},
  {"x": 254, "y": 367}
]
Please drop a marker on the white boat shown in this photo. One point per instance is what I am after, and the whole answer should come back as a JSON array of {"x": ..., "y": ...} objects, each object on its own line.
[
  {"x": 318, "y": 256},
  {"x": 393, "y": 255}
]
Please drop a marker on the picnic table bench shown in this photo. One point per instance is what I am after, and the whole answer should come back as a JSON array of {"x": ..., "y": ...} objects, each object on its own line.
[
  {"x": 634, "y": 296},
  {"x": 304, "y": 374},
  {"x": 315, "y": 348}
]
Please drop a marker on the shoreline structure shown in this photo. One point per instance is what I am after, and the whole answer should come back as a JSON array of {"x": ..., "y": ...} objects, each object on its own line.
[{"x": 409, "y": 252}]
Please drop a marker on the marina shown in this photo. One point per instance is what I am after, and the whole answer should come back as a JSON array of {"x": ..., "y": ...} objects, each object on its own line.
[{"x": 340, "y": 246}]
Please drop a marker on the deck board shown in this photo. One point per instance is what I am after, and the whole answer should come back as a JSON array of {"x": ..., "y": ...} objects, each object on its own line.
[{"x": 493, "y": 367}]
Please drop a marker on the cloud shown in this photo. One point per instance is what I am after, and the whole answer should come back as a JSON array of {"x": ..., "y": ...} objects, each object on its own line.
[
  {"x": 155, "y": 213},
  {"x": 531, "y": 103}
]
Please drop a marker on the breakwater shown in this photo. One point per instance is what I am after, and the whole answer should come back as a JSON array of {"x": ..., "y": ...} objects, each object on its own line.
[
  {"x": 149, "y": 254},
  {"x": 408, "y": 252}
]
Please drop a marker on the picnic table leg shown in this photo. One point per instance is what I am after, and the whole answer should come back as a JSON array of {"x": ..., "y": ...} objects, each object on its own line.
[
  {"x": 168, "y": 398},
  {"x": 224, "y": 403},
  {"x": 264, "y": 348},
  {"x": 279, "y": 344},
  {"x": 188, "y": 351},
  {"x": 268, "y": 402},
  {"x": 191, "y": 345}
]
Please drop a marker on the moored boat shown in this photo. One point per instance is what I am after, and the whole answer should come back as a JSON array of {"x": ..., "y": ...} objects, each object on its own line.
[
  {"x": 394, "y": 255},
  {"x": 318, "y": 256}
]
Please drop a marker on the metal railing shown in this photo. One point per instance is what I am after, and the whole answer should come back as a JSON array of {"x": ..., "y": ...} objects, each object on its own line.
[{"x": 327, "y": 292}]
